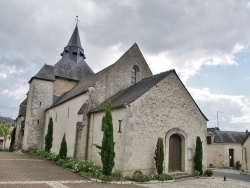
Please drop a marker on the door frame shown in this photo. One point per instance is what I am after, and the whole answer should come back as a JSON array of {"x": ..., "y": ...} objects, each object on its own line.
[{"x": 183, "y": 135}]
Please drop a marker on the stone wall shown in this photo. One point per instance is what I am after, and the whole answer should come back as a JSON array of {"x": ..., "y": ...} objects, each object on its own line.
[
  {"x": 65, "y": 119},
  {"x": 119, "y": 76},
  {"x": 165, "y": 109},
  {"x": 218, "y": 154},
  {"x": 40, "y": 97},
  {"x": 246, "y": 155},
  {"x": 62, "y": 85}
]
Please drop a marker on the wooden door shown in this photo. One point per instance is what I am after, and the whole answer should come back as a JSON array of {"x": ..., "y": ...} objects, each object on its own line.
[
  {"x": 174, "y": 153},
  {"x": 231, "y": 157}
]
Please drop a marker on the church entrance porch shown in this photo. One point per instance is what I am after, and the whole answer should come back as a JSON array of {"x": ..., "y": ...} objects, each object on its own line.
[{"x": 175, "y": 155}]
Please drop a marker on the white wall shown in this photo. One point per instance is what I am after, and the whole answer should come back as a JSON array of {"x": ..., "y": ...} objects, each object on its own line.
[{"x": 64, "y": 123}]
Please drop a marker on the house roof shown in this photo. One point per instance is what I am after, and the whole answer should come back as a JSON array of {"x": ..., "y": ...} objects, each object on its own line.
[
  {"x": 248, "y": 135},
  {"x": 229, "y": 137},
  {"x": 133, "y": 92},
  {"x": 71, "y": 66}
]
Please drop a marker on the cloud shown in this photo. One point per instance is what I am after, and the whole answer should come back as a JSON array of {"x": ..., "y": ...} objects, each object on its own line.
[
  {"x": 16, "y": 91},
  {"x": 3, "y": 75},
  {"x": 235, "y": 110}
]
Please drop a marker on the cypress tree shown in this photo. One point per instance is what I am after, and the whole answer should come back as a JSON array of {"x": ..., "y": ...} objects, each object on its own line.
[
  {"x": 49, "y": 136},
  {"x": 63, "y": 149},
  {"x": 107, "y": 148},
  {"x": 198, "y": 156},
  {"x": 13, "y": 135},
  {"x": 159, "y": 156}
]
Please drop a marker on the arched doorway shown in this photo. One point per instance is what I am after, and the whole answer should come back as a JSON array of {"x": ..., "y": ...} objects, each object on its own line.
[{"x": 174, "y": 153}]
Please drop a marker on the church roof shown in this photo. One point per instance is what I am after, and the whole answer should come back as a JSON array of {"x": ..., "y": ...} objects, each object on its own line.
[
  {"x": 83, "y": 86},
  {"x": 133, "y": 92},
  {"x": 229, "y": 137},
  {"x": 71, "y": 66}
]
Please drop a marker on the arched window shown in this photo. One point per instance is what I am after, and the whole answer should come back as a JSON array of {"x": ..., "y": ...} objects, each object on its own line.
[{"x": 134, "y": 75}]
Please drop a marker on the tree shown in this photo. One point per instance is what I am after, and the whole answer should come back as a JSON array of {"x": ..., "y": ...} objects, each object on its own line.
[
  {"x": 49, "y": 136},
  {"x": 13, "y": 136},
  {"x": 198, "y": 156},
  {"x": 159, "y": 156},
  {"x": 107, "y": 149},
  {"x": 5, "y": 131},
  {"x": 63, "y": 149}
]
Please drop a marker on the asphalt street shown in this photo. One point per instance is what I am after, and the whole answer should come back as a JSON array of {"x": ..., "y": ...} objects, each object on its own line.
[{"x": 241, "y": 177}]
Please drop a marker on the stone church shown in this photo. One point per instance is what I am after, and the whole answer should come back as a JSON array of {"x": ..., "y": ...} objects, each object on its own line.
[{"x": 144, "y": 107}]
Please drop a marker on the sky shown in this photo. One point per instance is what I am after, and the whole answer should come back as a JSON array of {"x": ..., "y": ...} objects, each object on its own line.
[{"x": 206, "y": 42}]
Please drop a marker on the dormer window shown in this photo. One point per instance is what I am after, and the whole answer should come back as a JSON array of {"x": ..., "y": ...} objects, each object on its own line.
[{"x": 134, "y": 75}]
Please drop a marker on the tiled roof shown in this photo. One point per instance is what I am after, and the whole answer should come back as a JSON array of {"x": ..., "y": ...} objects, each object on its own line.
[
  {"x": 133, "y": 92},
  {"x": 248, "y": 135},
  {"x": 71, "y": 66},
  {"x": 229, "y": 137}
]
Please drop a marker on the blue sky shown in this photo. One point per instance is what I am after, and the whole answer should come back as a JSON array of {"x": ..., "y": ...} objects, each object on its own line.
[{"x": 206, "y": 42}]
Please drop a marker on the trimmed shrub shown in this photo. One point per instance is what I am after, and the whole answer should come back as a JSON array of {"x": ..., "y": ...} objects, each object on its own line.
[
  {"x": 209, "y": 173},
  {"x": 49, "y": 136},
  {"x": 63, "y": 149},
  {"x": 138, "y": 176},
  {"x": 105, "y": 178},
  {"x": 238, "y": 165},
  {"x": 117, "y": 174},
  {"x": 13, "y": 135},
  {"x": 159, "y": 156},
  {"x": 163, "y": 177},
  {"x": 198, "y": 156}
]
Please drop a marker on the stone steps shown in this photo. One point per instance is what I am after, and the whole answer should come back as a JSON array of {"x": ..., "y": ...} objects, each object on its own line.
[{"x": 180, "y": 175}]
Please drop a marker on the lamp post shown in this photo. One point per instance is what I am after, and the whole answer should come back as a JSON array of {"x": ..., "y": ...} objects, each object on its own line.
[{"x": 218, "y": 118}]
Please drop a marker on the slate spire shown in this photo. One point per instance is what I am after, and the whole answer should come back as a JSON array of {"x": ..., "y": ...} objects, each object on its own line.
[{"x": 74, "y": 44}]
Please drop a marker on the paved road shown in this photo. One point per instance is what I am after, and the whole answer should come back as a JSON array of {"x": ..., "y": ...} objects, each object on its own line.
[
  {"x": 26, "y": 171},
  {"x": 241, "y": 177}
]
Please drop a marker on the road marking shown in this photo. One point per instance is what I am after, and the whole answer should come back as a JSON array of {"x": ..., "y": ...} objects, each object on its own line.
[
  {"x": 57, "y": 185},
  {"x": 43, "y": 182},
  {"x": 20, "y": 160}
]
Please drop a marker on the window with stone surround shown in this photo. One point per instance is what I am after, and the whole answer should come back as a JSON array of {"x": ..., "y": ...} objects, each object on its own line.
[
  {"x": 209, "y": 140},
  {"x": 134, "y": 74}
]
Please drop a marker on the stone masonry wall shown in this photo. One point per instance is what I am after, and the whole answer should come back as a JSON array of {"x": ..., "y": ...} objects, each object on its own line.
[
  {"x": 164, "y": 110},
  {"x": 62, "y": 85},
  {"x": 119, "y": 77},
  {"x": 39, "y": 98}
]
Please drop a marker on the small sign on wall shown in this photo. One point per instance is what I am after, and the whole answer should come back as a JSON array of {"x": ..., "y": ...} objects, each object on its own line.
[{"x": 190, "y": 153}]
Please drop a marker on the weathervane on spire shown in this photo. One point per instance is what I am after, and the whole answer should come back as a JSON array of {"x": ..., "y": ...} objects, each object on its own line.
[{"x": 77, "y": 20}]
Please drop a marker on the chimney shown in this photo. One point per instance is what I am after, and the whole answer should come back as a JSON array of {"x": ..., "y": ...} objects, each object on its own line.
[{"x": 247, "y": 131}]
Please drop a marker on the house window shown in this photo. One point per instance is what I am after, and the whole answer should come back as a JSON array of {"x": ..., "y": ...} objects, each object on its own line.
[
  {"x": 120, "y": 126},
  {"x": 68, "y": 112},
  {"x": 37, "y": 121},
  {"x": 56, "y": 116},
  {"x": 209, "y": 140},
  {"x": 134, "y": 75}
]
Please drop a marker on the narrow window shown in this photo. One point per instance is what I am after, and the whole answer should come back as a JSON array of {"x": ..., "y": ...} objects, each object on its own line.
[
  {"x": 68, "y": 112},
  {"x": 103, "y": 123},
  {"x": 56, "y": 116},
  {"x": 134, "y": 75},
  {"x": 40, "y": 103},
  {"x": 209, "y": 140},
  {"x": 120, "y": 126},
  {"x": 37, "y": 121}
]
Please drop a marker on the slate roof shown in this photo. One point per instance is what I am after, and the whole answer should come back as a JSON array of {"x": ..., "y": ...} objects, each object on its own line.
[
  {"x": 72, "y": 64},
  {"x": 248, "y": 135},
  {"x": 22, "y": 108},
  {"x": 229, "y": 137},
  {"x": 135, "y": 91},
  {"x": 83, "y": 86}
]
